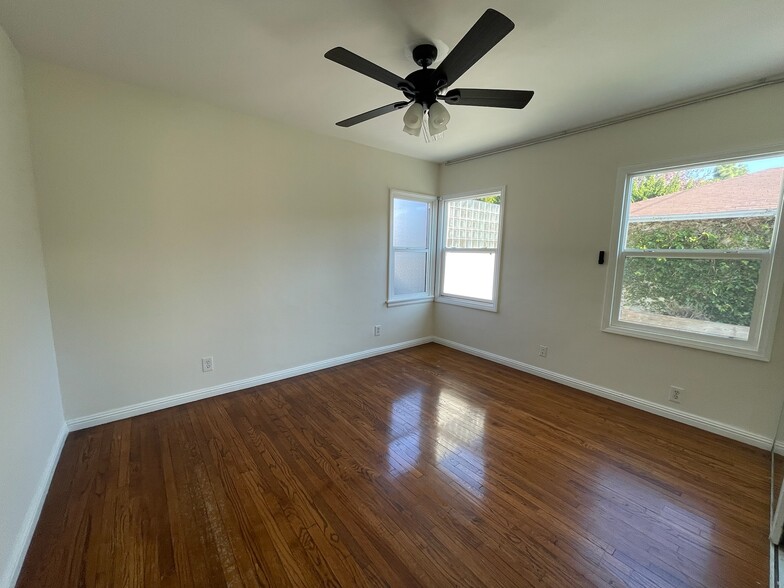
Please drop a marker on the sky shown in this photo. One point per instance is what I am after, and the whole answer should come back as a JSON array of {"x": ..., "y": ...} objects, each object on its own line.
[{"x": 767, "y": 163}]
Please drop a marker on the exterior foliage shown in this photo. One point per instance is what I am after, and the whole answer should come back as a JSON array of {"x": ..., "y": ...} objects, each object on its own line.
[
  {"x": 652, "y": 185},
  {"x": 718, "y": 290},
  {"x": 726, "y": 233},
  {"x": 730, "y": 170}
]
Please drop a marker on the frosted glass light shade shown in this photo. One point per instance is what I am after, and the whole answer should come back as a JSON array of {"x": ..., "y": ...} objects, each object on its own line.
[
  {"x": 412, "y": 119},
  {"x": 438, "y": 117}
]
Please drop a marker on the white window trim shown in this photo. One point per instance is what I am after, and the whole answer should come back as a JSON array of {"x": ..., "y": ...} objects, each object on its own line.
[
  {"x": 427, "y": 296},
  {"x": 768, "y": 298},
  {"x": 479, "y": 304}
]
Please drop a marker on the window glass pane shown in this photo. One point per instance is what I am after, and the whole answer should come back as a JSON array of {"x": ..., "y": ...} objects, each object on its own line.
[
  {"x": 410, "y": 223},
  {"x": 706, "y": 296},
  {"x": 410, "y": 272},
  {"x": 725, "y": 206},
  {"x": 725, "y": 234},
  {"x": 473, "y": 224},
  {"x": 469, "y": 274}
]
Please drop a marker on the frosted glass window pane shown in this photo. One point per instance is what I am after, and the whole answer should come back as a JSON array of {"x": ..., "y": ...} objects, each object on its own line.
[
  {"x": 410, "y": 223},
  {"x": 410, "y": 272},
  {"x": 469, "y": 274}
]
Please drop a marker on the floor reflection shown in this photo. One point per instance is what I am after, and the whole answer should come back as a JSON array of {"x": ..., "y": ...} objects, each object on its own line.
[
  {"x": 459, "y": 450},
  {"x": 405, "y": 426},
  {"x": 443, "y": 429}
]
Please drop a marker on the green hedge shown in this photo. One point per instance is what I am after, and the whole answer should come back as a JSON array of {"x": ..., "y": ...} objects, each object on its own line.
[{"x": 719, "y": 290}]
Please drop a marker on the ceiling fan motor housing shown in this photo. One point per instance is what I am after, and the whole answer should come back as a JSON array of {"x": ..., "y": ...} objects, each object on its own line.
[
  {"x": 425, "y": 55},
  {"x": 425, "y": 82}
]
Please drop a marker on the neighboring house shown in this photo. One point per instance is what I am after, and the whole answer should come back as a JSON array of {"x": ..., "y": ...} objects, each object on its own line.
[{"x": 755, "y": 194}]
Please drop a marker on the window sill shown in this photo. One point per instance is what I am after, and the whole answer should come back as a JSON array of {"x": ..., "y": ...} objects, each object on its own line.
[
  {"x": 727, "y": 347},
  {"x": 406, "y": 302},
  {"x": 468, "y": 303}
]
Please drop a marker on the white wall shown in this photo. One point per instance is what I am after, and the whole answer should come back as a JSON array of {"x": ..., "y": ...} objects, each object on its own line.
[
  {"x": 31, "y": 415},
  {"x": 175, "y": 230},
  {"x": 559, "y": 209}
]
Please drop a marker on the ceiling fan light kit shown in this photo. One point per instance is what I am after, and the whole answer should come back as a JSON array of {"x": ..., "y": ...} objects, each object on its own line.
[
  {"x": 424, "y": 88},
  {"x": 437, "y": 118},
  {"x": 412, "y": 119}
]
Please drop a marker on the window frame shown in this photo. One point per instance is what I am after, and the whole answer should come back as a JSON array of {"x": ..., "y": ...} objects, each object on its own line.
[
  {"x": 769, "y": 285},
  {"x": 432, "y": 211},
  {"x": 466, "y": 301}
]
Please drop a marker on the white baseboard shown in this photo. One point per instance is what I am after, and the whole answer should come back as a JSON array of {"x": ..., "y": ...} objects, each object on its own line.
[
  {"x": 682, "y": 417},
  {"x": 125, "y": 412},
  {"x": 19, "y": 552}
]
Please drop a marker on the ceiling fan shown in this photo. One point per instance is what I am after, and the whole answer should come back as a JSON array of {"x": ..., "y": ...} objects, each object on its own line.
[{"x": 424, "y": 87}]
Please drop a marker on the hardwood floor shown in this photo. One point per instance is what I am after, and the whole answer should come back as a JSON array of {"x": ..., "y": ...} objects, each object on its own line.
[{"x": 423, "y": 467}]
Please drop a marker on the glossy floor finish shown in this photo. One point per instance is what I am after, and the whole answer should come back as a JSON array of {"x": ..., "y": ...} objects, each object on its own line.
[{"x": 422, "y": 467}]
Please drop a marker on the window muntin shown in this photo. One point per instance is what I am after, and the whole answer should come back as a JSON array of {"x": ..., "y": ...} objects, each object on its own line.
[
  {"x": 469, "y": 248},
  {"x": 696, "y": 256},
  {"x": 411, "y": 241}
]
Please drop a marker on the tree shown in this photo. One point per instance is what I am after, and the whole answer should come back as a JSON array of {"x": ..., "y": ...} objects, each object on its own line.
[
  {"x": 730, "y": 170},
  {"x": 653, "y": 185}
]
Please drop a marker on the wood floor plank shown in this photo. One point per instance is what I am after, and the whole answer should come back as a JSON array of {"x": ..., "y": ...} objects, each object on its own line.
[{"x": 425, "y": 467}]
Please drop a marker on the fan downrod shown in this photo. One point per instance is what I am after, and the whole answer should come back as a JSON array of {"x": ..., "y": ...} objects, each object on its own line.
[{"x": 425, "y": 55}]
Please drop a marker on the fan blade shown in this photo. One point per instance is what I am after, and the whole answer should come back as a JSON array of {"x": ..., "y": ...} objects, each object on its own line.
[
  {"x": 491, "y": 27},
  {"x": 492, "y": 98},
  {"x": 350, "y": 122},
  {"x": 359, "y": 64}
]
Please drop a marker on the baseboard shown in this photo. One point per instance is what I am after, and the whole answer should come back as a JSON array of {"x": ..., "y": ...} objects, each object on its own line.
[
  {"x": 177, "y": 399},
  {"x": 665, "y": 411},
  {"x": 16, "y": 560}
]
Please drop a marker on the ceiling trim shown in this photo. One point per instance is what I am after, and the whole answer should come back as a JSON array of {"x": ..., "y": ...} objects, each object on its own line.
[{"x": 698, "y": 99}]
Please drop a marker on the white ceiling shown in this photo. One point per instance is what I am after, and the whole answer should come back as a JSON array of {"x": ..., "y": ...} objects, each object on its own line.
[{"x": 586, "y": 60}]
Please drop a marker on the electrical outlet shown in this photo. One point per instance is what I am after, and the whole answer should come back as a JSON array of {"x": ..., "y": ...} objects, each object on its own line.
[
  {"x": 676, "y": 394},
  {"x": 206, "y": 364},
  {"x": 543, "y": 351},
  {"x": 377, "y": 331}
]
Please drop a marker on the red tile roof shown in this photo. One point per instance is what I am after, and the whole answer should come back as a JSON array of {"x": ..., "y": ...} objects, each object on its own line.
[{"x": 751, "y": 192}]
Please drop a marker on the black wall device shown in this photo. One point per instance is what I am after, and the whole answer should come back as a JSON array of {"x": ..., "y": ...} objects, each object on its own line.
[{"x": 601, "y": 258}]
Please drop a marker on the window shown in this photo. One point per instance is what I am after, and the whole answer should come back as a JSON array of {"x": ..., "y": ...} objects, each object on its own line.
[
  {"x": 695, "y": 258},
  {"x": 469, "y": 245},
  {"x": 411, "y": 240}
]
